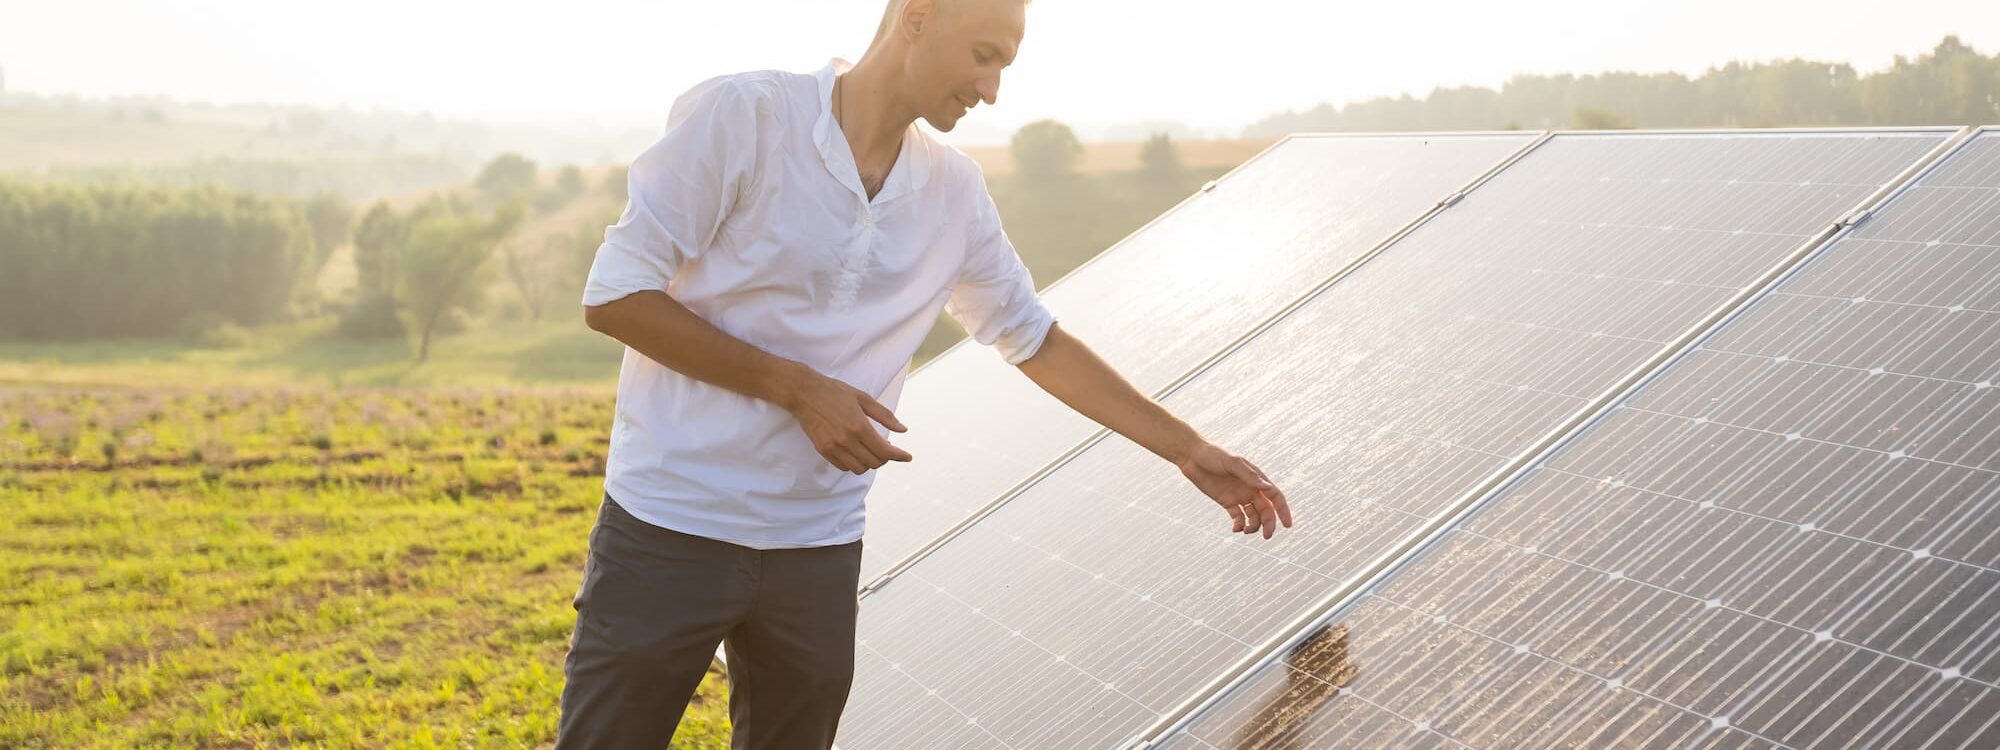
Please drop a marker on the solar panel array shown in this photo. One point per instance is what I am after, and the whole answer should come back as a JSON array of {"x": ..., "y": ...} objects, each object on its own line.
[
  {"x": 1788, "y": 538},
  {"x": 1107, "y": 594},
  {"x": 1156, "y": 306}
]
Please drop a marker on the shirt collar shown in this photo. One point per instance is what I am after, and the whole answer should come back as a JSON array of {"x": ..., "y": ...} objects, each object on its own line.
[{"x": 913, "y": 162}]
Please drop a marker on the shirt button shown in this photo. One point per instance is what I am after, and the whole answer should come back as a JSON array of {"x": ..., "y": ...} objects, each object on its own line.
[{"x": 868, "y": 220}]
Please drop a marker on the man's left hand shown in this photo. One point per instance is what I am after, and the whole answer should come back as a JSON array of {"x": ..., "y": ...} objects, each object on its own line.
[{"x": 1253, "y": 502}]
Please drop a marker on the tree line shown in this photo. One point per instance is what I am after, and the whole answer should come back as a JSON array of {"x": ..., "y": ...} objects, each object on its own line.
[
  {"x": 114, "y": 260},
  {"x": 1953, "y": 84},
  {"x": 79, "y": 261},
  {"x": 353, "y": 178},
  {"x": 82, "y": 260}
]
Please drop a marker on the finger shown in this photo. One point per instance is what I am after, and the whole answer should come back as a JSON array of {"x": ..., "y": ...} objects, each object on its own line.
[
  {"x": 852, "y": 463},
  {"x": 1277, "y": 496},
  {"x": 848, "y": 461},
  {"x": 1283, "y": 506},
  {"x": 875, "y": 410},
  {"x": 1251, "y": 520},
  {"x": 837, "y": 458},
  {"x": 857, "y": 447},
  {"x": 882, "y": 447},
  {"x": 1235, "y": 518},
  {"x": 1268, "y": 514},
  {"x": 863, "y": 456}
]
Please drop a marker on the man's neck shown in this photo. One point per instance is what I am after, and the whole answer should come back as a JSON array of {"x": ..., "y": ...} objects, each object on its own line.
[{"x": 873, "y": 114}]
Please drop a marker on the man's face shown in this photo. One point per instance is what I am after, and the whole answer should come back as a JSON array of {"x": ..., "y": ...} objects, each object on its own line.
[{"x": 957, "y": 59}]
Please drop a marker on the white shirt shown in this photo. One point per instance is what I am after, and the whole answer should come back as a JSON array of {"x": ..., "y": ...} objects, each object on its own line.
[{"x": 750, "y": 212}]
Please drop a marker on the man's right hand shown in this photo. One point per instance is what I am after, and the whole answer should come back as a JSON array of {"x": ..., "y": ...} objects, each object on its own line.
[{"x": 836, "y": 416}]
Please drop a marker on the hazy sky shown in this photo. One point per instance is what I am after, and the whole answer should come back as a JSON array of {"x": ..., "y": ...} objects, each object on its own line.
[{"x": 1088, "y": 62}]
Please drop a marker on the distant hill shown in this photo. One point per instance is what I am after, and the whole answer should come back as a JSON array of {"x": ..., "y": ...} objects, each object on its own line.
[
  {"x": 39, "y": 134},
  {"x": 1101, "y": 158}
]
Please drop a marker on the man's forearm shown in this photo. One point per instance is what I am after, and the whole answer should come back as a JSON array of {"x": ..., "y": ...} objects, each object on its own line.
[
  {"x": 1070, "y": 371},
  {"x": 1075, "y": 375},
  {"x": 667, "y": 332}
]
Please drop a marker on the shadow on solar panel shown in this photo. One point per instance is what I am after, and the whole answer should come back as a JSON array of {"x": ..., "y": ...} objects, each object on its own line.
[{"x": 1314, "y": 668}]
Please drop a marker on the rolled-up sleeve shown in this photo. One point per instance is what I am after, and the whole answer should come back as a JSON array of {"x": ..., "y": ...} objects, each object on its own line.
[
  {"x": 682, "y": 189},
  {"x": 995, "y": 296}
]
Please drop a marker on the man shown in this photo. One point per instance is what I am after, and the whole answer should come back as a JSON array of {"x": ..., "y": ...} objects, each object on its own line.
[{"x": 787, "y": 245}]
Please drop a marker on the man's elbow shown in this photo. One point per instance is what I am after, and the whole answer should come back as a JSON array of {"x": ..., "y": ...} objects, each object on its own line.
[
  {"x": 619, "y": 316},
  {"x": 1044, "y": 352},
  {"x": 597, "y": 318}
]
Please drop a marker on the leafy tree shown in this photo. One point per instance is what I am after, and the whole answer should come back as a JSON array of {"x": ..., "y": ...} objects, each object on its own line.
[
  {"x": 1592, "y": 118},
  {"x": 378, "y": 240},
  {"x": 537, "y": 273},
  {"x": 1953, "y": 84},
  {"x": 615, "y": 186},
  {"x": 569, "y": 181},
  {"x": 329, "y": 216},
  {"x": 443, "y": 264},
  {"x": 568, "y": 185},
  {"x": 507, "y": 178},
  {"x": 381, "y": 245},
  {"x": 87, "y": 261},
  {"x": 1045, "y": 148},
  {"x": 1158, "y": 158},
  {"x": 378, "y": 249}
]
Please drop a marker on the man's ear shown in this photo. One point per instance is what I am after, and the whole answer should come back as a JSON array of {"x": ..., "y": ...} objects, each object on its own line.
[{"x": 917, "y": 16}]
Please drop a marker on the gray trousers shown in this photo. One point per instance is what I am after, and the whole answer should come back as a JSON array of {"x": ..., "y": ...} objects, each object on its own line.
[{"x": 655, "y": 602}]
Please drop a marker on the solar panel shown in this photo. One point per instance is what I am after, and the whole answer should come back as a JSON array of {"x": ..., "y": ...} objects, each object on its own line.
[
  {"x": 1109, "y": 593},
  {"x": 1789, "y": 538},
  {"x": 1157, "y": 305}
]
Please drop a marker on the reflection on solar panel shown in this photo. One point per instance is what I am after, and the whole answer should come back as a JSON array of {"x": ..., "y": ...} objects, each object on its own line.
[
  {"x": 1109, "y": 593},
  {"x": 1156, "y": 306},
  {"x": 1789, "y": 538}
]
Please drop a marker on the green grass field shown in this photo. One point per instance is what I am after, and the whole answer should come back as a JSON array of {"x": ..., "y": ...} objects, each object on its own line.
[
  {"x": 558, "y": 352},
  {"x": 259, "y": 567}
]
